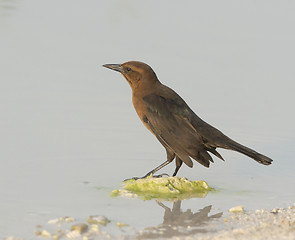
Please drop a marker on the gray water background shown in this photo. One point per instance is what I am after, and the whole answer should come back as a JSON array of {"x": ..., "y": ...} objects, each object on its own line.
[{"x": 69, "y": 133}]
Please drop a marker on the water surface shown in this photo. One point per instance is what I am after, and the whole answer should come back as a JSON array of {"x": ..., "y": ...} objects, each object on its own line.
[{"x": 68, "y": 131}]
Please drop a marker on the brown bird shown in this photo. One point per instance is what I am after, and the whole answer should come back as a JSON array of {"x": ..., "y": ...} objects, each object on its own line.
[{"x": 183, "y": 134}]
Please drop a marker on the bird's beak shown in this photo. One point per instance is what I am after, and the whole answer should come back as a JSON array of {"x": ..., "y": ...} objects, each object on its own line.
[{"x": 116, "y": 67}]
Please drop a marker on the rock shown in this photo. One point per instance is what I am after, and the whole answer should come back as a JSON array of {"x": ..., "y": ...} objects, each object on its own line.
[
  {"x": 276, "y": 210},
  {"x": 45, "y": 234},
  {"x": 73, "y": 234},
  {"x": 55, "y": 237},
  {"x": 97, "y": 219},
  {"x": 237, "y": 209},
  {"x": 38, "y": 232},
  {"x": 94, "y": 228},
  {"x": 54, "y": 221},
  {"x": 69, "y": 219},
  {"x": 61, "y": 220},
  {"x": 163, "y": 188},
  {"x": 79, "y": 227},
  {"x": 119, "y": 224}
]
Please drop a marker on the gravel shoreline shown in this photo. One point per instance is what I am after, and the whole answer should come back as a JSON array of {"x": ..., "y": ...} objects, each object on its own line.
[{"x": 237, "y": 224}]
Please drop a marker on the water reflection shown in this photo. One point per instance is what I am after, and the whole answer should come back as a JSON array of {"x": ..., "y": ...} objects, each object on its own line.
[{"x": 177, "y": 222}]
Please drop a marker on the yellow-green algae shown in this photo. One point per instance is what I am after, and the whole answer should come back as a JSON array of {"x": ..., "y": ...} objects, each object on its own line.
[{"x": 166, "y": 188}]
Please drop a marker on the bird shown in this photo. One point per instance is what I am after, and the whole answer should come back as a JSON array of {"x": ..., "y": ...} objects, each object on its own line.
[{"x": 184, "y": 135}]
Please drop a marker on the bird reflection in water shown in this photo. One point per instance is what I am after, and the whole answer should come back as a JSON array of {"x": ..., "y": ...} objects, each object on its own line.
[{"x": 179, "y": 223}]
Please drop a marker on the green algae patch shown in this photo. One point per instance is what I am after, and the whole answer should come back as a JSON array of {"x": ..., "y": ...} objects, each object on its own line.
[{"x": 167, "y": 188}]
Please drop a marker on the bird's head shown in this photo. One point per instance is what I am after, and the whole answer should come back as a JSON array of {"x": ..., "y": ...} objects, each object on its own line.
[{"x": 137, "y": 74}]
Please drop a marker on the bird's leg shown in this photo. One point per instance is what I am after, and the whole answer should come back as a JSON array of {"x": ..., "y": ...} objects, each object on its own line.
[
  {"x": 151, "y": 172},
  {"x": 157, "y": 169},
  {"x": 178, "y": 165},
  {"x": 176, "y": 170}
]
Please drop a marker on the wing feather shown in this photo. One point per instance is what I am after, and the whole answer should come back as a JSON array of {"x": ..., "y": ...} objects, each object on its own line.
[{"x": 169, "y": 121}]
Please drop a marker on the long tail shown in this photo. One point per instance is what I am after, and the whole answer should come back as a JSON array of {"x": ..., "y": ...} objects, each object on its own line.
[{"x": 232, "y": 145}]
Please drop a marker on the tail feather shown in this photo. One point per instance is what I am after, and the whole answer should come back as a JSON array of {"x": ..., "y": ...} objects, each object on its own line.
[
  {"x": 217, "y": 154},
  {"x": 232, "y": 145},
  {"x": 203, "y": 158}
]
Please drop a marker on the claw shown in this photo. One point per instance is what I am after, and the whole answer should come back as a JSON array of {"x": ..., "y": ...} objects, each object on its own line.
[
  {"x": 154, "y": 176},
  {"x": 161, "y": 175}
]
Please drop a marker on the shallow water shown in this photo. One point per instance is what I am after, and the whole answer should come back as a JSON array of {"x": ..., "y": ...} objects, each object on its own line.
[{"x": 69, "y": 134}]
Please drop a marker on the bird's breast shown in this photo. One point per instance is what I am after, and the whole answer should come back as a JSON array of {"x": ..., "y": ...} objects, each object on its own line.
[{"x": 141, "y": 110}]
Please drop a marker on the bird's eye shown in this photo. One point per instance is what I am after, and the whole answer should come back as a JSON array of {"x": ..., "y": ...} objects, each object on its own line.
[{"x": 128, "y": 69}]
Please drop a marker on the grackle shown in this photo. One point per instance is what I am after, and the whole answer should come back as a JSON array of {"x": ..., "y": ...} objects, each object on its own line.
[{"x": 183, "y": 134}]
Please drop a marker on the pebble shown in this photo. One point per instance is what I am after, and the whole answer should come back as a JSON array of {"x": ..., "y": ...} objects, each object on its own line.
[
  {"x": 38, "y": 233},
  {"x": 45, "y": 234},
  {"x": 94, "y": 228},
  {"x": 69, "y": 219},
  {"x": 79, "y": 227},
  {"x": 276, "y": 210},
  {"x": 73, "y": 234},
  {"x": 119, "y": 224},
  {"x": 97, "y": 219},
  {"x": 13, "y": 238},
  {"x": 61, "y": 220},
  {"x": 260, "y": 211},
  {"x": 237, "y": 209},
  {"x": 53, "y": 221},
  {"x": 55, "y": 237}
]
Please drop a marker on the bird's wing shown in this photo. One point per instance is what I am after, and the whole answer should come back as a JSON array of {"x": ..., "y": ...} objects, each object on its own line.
[{"x": 169, "y": 119}]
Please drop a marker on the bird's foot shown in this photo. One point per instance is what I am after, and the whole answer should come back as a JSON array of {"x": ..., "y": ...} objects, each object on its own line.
[
  {"x": 146, "y": 176},
  {"x": 161, "y": 175}
]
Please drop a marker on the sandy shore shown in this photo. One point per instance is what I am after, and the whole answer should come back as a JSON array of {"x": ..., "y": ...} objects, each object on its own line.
[{"x": 275, "y": 224}]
